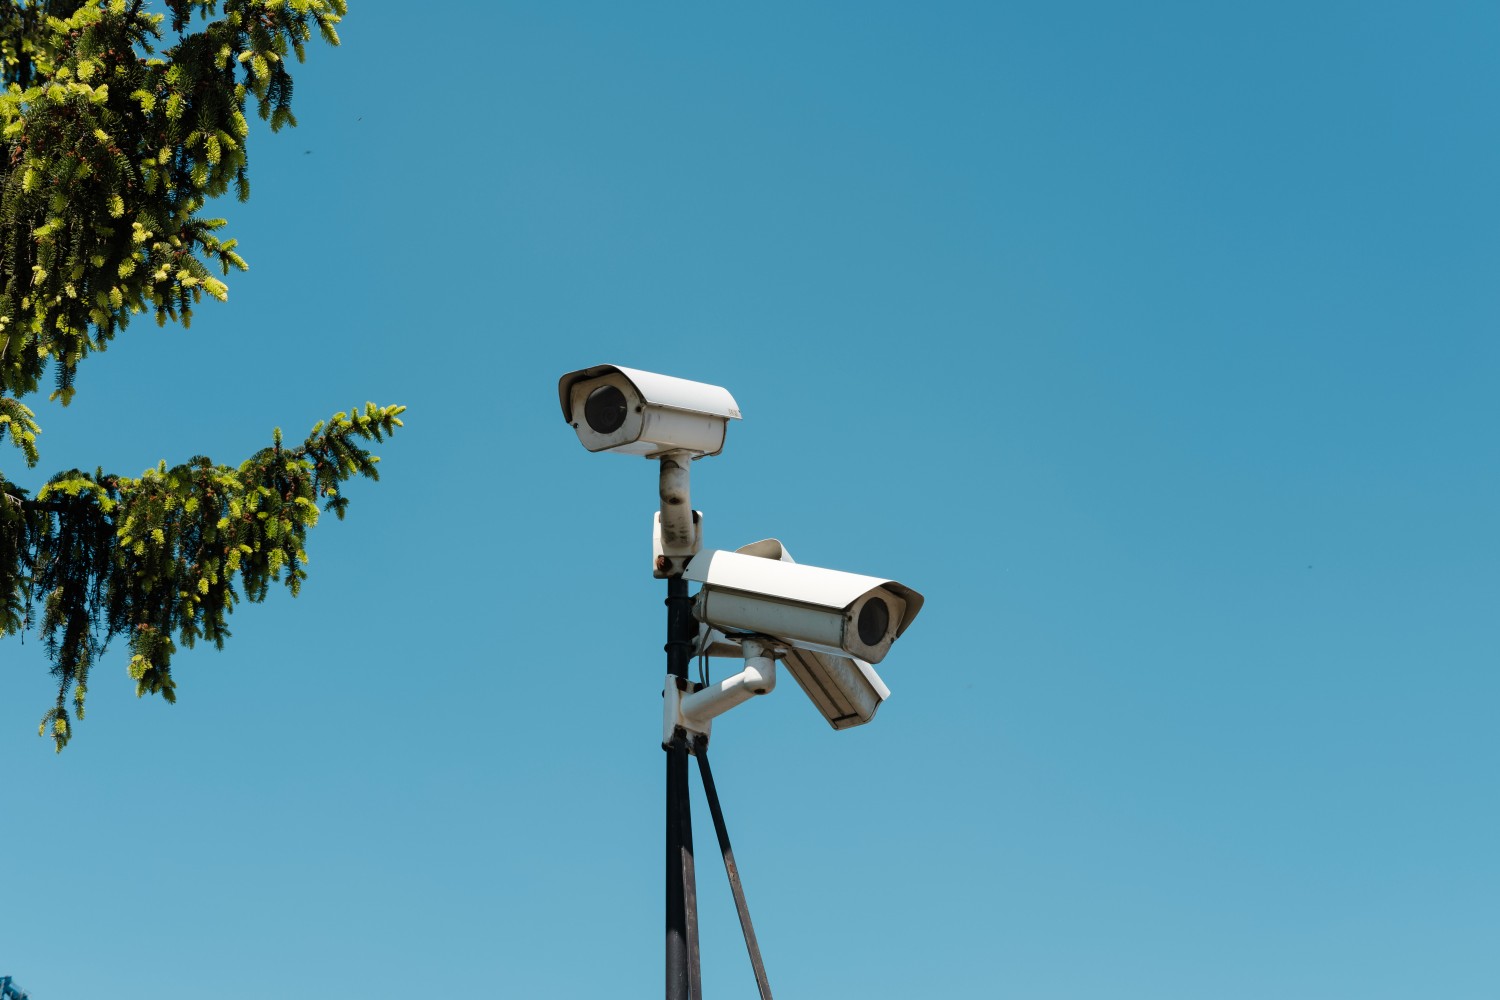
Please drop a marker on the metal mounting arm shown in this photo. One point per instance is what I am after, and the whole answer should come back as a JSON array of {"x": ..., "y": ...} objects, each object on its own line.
[
  {"x": 692, "y": 709},
  {"x": 679, "y": 528}
]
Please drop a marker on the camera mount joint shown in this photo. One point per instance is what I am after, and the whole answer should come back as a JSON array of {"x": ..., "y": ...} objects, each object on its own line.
[{"x": 689, "y": 709}]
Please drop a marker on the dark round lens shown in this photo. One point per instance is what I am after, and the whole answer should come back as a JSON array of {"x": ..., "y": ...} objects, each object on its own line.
[
  {"x": 874, "y": 619},
  {"x": 605, "y": 409}
]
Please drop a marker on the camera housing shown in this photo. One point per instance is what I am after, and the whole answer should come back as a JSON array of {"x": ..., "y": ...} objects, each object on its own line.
[
  {"x": 845, "y": 690},
  {"x": 810, "y": 608},
  {"x": 635, "y": 412}
]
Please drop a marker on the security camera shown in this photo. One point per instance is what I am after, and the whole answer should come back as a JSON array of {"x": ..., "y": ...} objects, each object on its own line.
[
  {"x": 641, "y": 413},
  {"x": 819, "y": 610},
  {"x": 845, "y": 690}
]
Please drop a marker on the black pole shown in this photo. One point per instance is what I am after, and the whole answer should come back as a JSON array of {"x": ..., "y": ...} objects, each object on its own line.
[{"x": 683, "y": 982}]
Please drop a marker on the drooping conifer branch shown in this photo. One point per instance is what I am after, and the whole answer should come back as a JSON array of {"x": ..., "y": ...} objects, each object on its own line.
[
  {"x": 117, "y": 126},
  {"x": 163, "y": 558}
]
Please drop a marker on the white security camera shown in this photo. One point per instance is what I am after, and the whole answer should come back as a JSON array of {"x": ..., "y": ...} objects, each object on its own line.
[
  {"x": 845, "y": 690},
  {"x": 641, "y": 413},
  {"x": 819, "y": 610}
]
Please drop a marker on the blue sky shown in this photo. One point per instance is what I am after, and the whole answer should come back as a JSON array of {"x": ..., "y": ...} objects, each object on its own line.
[{"x": 1154, "y": 344}]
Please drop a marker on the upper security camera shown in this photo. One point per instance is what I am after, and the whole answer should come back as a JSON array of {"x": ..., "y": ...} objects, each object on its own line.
[
  {"x": 822, "y": 610},
  {"x": 641, "y": 413}
]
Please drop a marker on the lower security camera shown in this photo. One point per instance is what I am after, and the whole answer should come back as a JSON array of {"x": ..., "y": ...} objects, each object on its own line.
[
  {"x": 819, "y": 610},
  {"x": 845, "y": 690}
]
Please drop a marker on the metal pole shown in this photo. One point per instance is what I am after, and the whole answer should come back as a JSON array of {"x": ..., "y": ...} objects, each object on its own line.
[
  {"x": 683, "y": 977},
  {"x": 751, "y": 945}
]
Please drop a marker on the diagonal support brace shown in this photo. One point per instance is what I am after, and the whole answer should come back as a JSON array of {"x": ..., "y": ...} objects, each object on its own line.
[{"x": 691, "y": 708}]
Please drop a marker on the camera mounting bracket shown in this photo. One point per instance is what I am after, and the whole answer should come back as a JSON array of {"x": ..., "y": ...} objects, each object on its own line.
[{"x": 689, "y": 709}]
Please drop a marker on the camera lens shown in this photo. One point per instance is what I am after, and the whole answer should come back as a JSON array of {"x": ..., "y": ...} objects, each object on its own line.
[
  {"x": 874, "y": 619},
  {"x": 605, "y": 409}
]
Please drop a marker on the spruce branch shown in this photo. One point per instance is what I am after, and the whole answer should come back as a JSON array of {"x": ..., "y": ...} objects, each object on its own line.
[
  {"x": 110, "y": 149},
  {"x": 114, "y": 136},
  {"x": 161, "y": 559}
]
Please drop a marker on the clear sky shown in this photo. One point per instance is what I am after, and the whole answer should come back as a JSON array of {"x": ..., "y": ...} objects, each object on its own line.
[{"x": 1155, "y": 343}]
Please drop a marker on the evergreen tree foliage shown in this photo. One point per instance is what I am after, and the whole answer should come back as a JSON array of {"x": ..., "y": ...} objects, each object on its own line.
[{"x": 117, "y": 126}]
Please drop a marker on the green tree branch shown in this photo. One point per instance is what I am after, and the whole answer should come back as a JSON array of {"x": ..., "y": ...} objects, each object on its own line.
[{"x": 113, "y": 138}]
